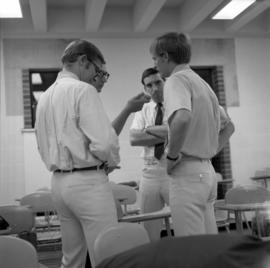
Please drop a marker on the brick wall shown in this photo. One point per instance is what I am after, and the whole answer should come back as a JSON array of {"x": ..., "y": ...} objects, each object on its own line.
[{"x": 224, "y": 157}]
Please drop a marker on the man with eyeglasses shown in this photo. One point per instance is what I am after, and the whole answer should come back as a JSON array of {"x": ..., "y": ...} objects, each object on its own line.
[
  {"x": 101, "y": 77},
  {"x": 79, "y": 144},
  {"x": 149, "y": 129}
]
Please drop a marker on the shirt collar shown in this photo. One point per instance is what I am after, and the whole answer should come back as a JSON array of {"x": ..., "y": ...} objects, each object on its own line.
[
  {"x": 154, "y": 104},
  {"x": 67, "y": 74},
  {"x": 180, "y": 67}
]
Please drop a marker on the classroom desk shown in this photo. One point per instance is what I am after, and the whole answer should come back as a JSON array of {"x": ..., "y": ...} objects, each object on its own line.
[
  {"x": 161, "y": 214},
  {"x": 263, "y": 178},
  {"x": 238, "y": 209}
]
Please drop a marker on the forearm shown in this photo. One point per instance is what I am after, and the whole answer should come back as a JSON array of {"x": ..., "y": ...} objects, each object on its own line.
[
  {"x": 178, "y": 126},
  {"x": 141, "y": 138},
  {"x": 158, "y": 131},
  {"x": 176, "y": 140},
  {"x": 120, "y": 120},
  {"x": 224, "y": 136},
  {"x": 133, "y": 105}
]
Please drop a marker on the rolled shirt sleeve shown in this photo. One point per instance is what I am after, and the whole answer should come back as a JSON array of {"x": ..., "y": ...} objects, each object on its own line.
[
  {"x": 176, "y": 95},
  {"x": 138, "y": 122}
]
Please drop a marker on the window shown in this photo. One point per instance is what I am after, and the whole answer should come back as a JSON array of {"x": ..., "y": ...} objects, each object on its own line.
[{"x": 35, "y": 82}]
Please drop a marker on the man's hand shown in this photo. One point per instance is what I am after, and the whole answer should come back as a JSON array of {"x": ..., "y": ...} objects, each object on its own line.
[
  {"x": 110, "y": 169},
  {"x": 171, "y": 164},
  {"x": 136, "y": 103},
  {"x": 133, "y": 105}
]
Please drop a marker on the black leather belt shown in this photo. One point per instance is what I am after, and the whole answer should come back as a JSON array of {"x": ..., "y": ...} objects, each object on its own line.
[{"x": 80, "y": 169}]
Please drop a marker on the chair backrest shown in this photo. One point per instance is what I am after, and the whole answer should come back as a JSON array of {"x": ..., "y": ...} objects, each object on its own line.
[
  {"x": 43, "y": 189},
  {"x": 40, "y": 201},
  {"x": 124, "y": 193},
  {"x": 20, "y": 218},
  {"x": 246, "y": 194},
  {"x": 117, "y": 238},
  {"x": 16, "y": 252}
]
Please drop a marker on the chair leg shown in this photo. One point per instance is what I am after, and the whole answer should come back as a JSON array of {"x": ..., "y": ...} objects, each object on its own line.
[
  {"x": 247, "y": 223},
  {"x": 258, "y": 224}
]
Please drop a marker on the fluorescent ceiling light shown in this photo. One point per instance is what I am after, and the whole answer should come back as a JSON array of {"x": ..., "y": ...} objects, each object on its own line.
[
  {"x": 233, "y": 9},
  {"x": 10, "y": 9}
]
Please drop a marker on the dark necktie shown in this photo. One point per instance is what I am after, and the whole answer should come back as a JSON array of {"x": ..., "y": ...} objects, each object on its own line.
[{"x": 159, "y": 148}]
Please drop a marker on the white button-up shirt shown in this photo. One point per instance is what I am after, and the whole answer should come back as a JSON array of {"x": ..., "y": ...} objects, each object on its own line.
[
  {"x": 72, "y": 128},
  {"x": 143, "y": 119}
]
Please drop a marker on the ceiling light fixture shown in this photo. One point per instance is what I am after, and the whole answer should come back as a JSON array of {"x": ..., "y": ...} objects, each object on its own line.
[
  {"x": 233, "y": 9},
  {"x": 10, "y": 9}
]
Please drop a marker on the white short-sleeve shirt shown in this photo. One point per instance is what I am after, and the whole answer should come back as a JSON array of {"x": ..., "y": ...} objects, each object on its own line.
[
  {"x": 184, "y": 89},
  {"x": 146, "y": 118}
]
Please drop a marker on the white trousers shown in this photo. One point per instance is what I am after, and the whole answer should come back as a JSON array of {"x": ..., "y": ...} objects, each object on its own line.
[
  {"x": 193, "y": 191},
  {"x": 153, "y": 195},
  {"x": 85, "y": 205}
]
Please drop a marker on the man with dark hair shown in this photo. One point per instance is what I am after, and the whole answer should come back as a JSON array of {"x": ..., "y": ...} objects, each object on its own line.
[
  {"x": 195, "y": 136},
  {"x": 79, "y": 145},
  {"x": 149, "y": 130}
]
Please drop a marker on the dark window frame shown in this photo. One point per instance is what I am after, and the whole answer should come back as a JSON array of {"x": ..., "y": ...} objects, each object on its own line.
[{"x": 48, "y": 76}]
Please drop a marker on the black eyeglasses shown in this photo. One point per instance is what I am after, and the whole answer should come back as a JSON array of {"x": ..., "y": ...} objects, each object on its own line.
[{"x": 101, "y": 73}]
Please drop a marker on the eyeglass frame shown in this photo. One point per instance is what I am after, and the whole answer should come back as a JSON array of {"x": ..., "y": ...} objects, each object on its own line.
[{"x": 101, "y": 73}]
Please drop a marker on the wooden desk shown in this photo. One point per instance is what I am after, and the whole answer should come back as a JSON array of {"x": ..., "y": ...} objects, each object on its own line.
[
  {"x": 239, "y": 208},
  {"x": 161, "y": 214},
  {"x": 263, "y": 178}
]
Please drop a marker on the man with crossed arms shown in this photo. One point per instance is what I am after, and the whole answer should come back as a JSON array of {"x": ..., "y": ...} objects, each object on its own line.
[{"x": 149, "y": 130}]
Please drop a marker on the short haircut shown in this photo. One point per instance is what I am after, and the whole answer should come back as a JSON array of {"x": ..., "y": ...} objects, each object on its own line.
[
  {"x": 177, "y": 45},
  {"x": 81, "y": 47},
  {"x": 148, "y": 72}
]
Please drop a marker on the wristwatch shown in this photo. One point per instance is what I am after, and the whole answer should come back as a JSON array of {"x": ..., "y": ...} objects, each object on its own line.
[{"x": 172, "y": 158}]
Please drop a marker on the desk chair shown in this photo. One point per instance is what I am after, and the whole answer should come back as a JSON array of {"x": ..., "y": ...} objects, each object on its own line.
[
  {"x": 126, "y": 195},
  {"x": 47, "y": 226},
  {"x": 20, "y": 218},
  {"x": 248, "y": 194},
  {"x": 222, "y": 217},
  {"x": 16, "y": 252},
  {"x": 262, "y": 176},
  {"x": 41, "y": 202},
  {"x": 118, "y": 238}
]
